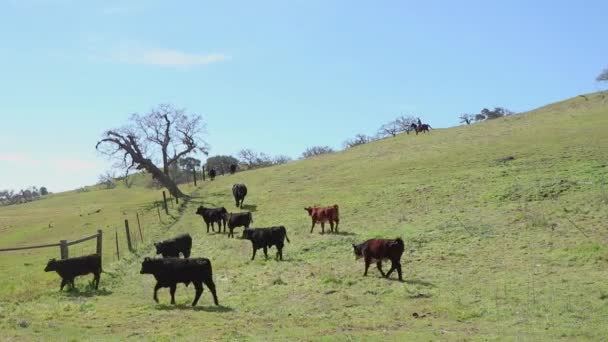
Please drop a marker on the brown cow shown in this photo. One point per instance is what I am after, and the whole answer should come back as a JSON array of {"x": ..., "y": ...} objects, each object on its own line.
[
  {"x": 376, "y": 250},
  {"x": 323, "y": 215}
]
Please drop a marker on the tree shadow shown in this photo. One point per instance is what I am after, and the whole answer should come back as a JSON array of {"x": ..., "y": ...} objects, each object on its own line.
[
  {"x": 250, "y": 207},
  {"x": 170, "y": 307}
]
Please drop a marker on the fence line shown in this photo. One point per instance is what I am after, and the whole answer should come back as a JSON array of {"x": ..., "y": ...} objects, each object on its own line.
[{"x": 63, "y": 245}]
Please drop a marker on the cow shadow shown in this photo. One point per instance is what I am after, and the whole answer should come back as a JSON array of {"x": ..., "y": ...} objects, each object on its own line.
[
  {"x": 88, "y": 291},
  {"x": 342, "y": 233},
  {"x": 417, "y": 282},
  {"x": 250, "y": 207},
  {"x": 211, "y": 308}
]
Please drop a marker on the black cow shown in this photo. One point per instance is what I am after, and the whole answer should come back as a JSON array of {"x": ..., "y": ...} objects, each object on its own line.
[
  {"x": 171, "y": 271},
  {"x": 172, "y": 247},
  {"x": 213, "y": 215},
  {"x": 70, "y": 268},
  {"x": 212, "y": 174},
  {"x": 238, "y": 220},
  {"x": 232, "y": 168},
  {"x": 239, "y": 191},
  {"x": 265, "y": 238}
]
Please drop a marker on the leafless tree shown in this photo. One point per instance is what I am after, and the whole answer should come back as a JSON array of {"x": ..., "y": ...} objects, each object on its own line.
[
  {"x": 107, "y": 180},
  {"x": 281, "y": 159},
  {"x": 466, "y": 118},
  {"x": 316, "y": 151},
  {"x": 389, "y": 129},
  {"x": 405, "y": 123},
  {"x": 165, "y": 132},
  {"x": 359, "y": 139},
  {"x": 603, "y": 76}
]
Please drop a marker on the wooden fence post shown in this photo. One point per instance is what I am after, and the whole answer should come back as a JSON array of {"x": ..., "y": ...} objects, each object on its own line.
[
  {"x": 158, "y": 211},
  {"x": 165, "y": 202},
  {"x": 128, "y": 236},
  {"x": 141, "y": 236},
  {"x": 99, "y": 241},
  {"x": 194, "y": 175},
  {"x": 117, "y": 250},
  {"x": 203, "y": 172},
  {"x": 63, "y": 248}
]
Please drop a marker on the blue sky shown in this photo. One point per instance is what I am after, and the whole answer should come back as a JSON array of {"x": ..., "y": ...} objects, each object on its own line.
[{"x": 274, "y": 76}]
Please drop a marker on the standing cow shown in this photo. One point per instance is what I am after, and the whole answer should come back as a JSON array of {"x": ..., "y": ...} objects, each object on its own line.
[
  {"x": 232, "y": 168},
  {"x": 171, "y": 248},
  {"x": 238, "y": 220},
  {"x": 212, "y": 216},
  {"x": 265, "y": 238},
  {"x": 212, "y": 174},
  {"x": 322, "y": 215},
  {"x": 239, "y": 191},
  {"x": 376, "y": 250}
]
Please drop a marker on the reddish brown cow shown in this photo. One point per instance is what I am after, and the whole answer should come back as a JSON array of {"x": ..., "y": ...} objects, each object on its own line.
[
  {"x": 323, "y": 215},
  {"x": 376, "y": 250}
]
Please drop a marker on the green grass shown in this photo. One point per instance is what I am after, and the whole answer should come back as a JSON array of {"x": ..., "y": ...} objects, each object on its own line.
[{"x": 495, "y": 249}]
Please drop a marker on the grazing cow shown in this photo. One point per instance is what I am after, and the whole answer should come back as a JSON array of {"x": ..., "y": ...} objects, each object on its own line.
[
  {"x": 68, "y": 269},
  {"x": 212, "y": 174},
  {"x": 232, "y": 168},
  {"x": 171, "y": 271},
  {"x": 172, "y": 247},
  {"x": 323, "y": 215},
  {"x": 265, "y": 238},
  {"x": 420, "y": 128},
  {"x": 376, "y": 250},
  {"x": 238, "y": 220},
  {"x": 239, "y": 191},
  {"x": 213, "y": 215}
]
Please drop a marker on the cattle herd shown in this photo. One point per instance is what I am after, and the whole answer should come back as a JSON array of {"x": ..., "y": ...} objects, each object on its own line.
[{"x": 171, "y": 269}]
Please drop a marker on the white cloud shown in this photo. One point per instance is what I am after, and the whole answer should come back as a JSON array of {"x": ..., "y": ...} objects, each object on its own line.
[
  {"x": 18, "y": 159},
  {"x": 164, "y": 57}
]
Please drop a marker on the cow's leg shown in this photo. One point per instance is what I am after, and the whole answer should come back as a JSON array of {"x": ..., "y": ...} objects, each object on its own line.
[
  {"x": 207, "y": 227},
  {"x": 254, "y": 251},
  {"x": 367, "y": 263},
  {"x": 72, "y": 285},
  {"x": 379, "y": 265},
  {"x": 337, "y": 223},
  {"x": 211, "y": 285},
  {"x": 63, "y": 282},
  {"x": 331, "y": 225},
  {"x": 313, "y": 225},
  {"x": 393, "y": 267},
  {"x": 155, "y": 292},
  {"x": 398, "y": 266},
  {"x": 186, "y": 253},
  {"x": 266, "y": 252},
  {"x": 322, "y": 227},
  {"x": 96, "y": 280},
  {"x": 280, "y": 252},
  {"x": 199, "y": 291},
  {"x": 230, "y": 232},
  {"x": 172, "y": 289}
]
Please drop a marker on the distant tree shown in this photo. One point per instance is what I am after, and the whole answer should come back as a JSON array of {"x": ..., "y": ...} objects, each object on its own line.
[
  {"x": 389, "y": 129},
  {"x": 221, "y": 163},
  {"x": 479, "y": 117},
  {"x": 405, "y": 123},
  {"x": 466, "y": 118},
  {"x": 359, "y": 139},
  {"x": 43, "y": 191},
  {"x": 189, "y": 163},
  {"x": 316, "y": 151},
  {"x": 281, "y": 159},
  {"x": 106, "y": 180},
  {"x": 165, "y": 132},
  {"x": 603, "y": 76}
]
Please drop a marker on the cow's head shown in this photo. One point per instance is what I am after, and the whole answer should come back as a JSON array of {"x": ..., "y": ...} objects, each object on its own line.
[
  {"x": 309, "y": 210},
  {"x": 159, "y": 247},
  {"x": 247, "y": 234},
  {"x": 51, "y": 265},
  {"x": 200, "y": 210},
  {"x": 147, "y": 266},
  {"x": 358, "y": 250}
]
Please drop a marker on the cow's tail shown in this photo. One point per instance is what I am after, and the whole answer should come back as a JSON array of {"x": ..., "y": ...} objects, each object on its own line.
[{"x": 285, "y": 233}]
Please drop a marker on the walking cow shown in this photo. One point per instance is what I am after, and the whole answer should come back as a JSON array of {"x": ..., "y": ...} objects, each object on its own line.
[
  {"x": 239, "y": 191},
  {"x": 376, "y": 250},
  {"x": 265, "y": 238},
  {"x": 70, "y": 268}
]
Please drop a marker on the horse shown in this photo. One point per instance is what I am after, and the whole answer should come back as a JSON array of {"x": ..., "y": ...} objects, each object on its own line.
[{"x": 420, "y": 128}]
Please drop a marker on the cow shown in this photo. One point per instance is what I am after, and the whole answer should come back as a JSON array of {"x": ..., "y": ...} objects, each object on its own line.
[
  {"x": 322, "y": 215},
  {"x": 265, "y": 238},
  {"x": 70, "y": 268},
  {"x": 376, "y": 250},
  {"x": 212, "y": 174},
  {"x": 213, "y": 215},
  {"x": 172, "y": 247},
  {"x": 239, "y": 191},
  {"x": 232, "y": 168},
  {"x": 171, "y": 271},
  {"x": 238, "y": 220}
]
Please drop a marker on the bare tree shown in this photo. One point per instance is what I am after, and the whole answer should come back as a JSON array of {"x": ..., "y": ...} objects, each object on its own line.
[
  {"x": 281, "y": 159},
  {"x": 316, "y": 151},
  {"x": 359, "y": 139},
  {"x": 389, "y": 129},
  {"x": 405, "y": 123},
  {"x": 603, "y": 76},
  {"x": 107, "y": 180},
  {"x": 165, "y": 132},
  {"x": 466, "y": 118}
]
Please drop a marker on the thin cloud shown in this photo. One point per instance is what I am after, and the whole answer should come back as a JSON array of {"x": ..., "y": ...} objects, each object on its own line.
[
  {"x": 165, "y": 57},
  {"x": 18, "y": 158}
]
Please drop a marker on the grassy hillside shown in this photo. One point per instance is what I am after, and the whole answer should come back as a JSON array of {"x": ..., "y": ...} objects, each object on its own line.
[{"x": 496, "y": 247}]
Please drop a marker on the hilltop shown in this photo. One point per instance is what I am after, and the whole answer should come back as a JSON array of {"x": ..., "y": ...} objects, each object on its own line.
[{"x": 504, "y": 223}]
